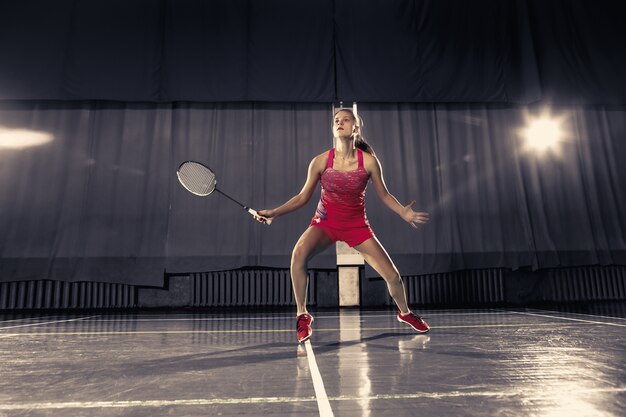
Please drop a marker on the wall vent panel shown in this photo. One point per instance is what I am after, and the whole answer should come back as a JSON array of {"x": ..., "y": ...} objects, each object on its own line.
[
  {"x": 247, "y": 288},
  {"x": 46, "y": 294}
]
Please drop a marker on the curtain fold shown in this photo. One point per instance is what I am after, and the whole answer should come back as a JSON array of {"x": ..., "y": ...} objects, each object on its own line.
[
  {"x": 100, "y": 200},
  {"x": 518, "y": 51}
]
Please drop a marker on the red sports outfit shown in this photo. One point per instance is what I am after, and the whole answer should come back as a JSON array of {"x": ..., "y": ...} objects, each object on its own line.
[{"x": 341, "y": 210}]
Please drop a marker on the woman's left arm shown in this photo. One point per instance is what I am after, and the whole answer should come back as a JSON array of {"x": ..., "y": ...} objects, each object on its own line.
[{"x": 373, "y": 167}]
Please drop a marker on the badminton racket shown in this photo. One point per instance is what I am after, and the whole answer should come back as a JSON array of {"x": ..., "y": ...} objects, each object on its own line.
[{"x": 200, "y": 180}]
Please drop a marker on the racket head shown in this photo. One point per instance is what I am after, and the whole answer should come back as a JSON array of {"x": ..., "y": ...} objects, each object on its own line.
[{"x": 197, "y": 178}]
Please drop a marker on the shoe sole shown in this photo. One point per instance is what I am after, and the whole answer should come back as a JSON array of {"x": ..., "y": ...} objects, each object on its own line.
[{"x": 417, "y": 330}]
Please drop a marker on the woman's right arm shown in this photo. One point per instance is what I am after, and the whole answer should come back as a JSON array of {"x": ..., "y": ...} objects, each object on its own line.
[{"x": 316, "y": 167}]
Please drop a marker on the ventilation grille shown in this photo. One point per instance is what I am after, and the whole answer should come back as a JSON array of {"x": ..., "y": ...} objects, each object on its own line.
[
  {"x": 272, "y": 288},
  {"x": 250, "y": 287},
  {"x": 594, "y": 283},
  {"x": 45, "y": 294},
  {"x": 471, "y": 287}
]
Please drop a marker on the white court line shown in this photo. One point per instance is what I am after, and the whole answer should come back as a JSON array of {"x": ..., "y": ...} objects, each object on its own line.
[
  {"x": 152, "y": 403},
  {"x": 403, "y": 329},
  {"x": 278, "y": 317},
  {"x": 247, "y": 318},
  {"x": 258, "y": 400},
  {"x": 46, "y": 322},
  {"x": 572, "y": 319},
  {"x": 285, "y": 318},
  {"x": 580, "y": 314},
  {"x": 318, "y": 384},
  {"x": 27, "y": 318},
  {"x": 272, "y": 316}
]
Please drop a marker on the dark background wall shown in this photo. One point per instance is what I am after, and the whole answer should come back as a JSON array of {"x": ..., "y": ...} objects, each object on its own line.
[
  {"x": 515, "y": 51},
  {"x": 125, "y": 91}
]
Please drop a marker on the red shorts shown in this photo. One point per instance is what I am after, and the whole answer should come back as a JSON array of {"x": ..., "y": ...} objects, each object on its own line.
[{"x": 353, "y": 235}]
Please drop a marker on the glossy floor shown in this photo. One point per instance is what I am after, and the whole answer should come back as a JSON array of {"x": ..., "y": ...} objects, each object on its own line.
[{"x": 495, "y": 362}]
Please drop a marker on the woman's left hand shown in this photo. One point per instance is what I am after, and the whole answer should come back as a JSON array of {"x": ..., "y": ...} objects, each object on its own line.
[{"x": 413, "y": 217}]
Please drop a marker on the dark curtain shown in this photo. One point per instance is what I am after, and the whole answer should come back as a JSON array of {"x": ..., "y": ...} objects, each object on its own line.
[
  {"x": 167, "y": 50},
  {"x": 518, "y": 51},
  {"x": 436, "y": 51},
  {"x": 493, "y": 202},
  {"x": 579, "y": 50},
  {"x": 100, "y": 201},
  {"x": 93, "y": 203}
]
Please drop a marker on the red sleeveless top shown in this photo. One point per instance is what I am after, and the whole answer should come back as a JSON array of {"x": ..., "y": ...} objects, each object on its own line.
[{"x": 343, "y": 194}]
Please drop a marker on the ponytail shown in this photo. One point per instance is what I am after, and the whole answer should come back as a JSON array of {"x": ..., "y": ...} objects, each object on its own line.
[{"x": 360, "y": 143}]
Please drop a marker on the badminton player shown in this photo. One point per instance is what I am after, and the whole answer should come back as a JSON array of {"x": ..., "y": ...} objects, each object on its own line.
[{"x": 344, "y": 172}]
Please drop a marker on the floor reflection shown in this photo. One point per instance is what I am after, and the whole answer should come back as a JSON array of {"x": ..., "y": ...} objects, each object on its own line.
[
  {"x": 408, "y": 347},
  {"x": 473, "y": 362},
  {"x": 354, "y": 363},
  {"x": 560, "y": 375}
]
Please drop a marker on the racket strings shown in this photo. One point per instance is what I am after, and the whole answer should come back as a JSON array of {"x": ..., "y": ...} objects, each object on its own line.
[{"x": 197, "y": 178}]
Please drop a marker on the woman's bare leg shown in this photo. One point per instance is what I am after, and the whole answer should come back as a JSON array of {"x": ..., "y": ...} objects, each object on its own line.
[
  {"x": 312, "y": 242},
  {"x": 379, "y": 259}
]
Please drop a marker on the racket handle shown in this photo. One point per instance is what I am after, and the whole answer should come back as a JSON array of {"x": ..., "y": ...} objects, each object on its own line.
[{"x": 257, "y": 216}]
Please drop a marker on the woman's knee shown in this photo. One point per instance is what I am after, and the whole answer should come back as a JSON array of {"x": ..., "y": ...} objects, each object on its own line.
[
  {"x": 298, "y": 256},
  {"x": 392, "y": 277}
]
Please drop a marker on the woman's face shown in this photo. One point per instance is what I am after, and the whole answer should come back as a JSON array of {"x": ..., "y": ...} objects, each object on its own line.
[{"x": 343, "y": 124}]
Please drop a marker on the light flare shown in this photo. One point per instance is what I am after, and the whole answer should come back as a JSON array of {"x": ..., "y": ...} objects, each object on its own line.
[
  {"x": 23, "y": 138},
  {"x": 543, "y": 134}
]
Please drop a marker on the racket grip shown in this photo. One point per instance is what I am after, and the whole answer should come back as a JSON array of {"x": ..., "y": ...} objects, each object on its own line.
[{"x": 257, "y": 216}]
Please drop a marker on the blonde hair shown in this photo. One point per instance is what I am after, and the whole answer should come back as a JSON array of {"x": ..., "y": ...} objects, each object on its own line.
[{"x": 359, "y": 140}]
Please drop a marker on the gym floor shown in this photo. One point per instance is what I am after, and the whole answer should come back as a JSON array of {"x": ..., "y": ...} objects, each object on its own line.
[{"x": 481, "y": 362}]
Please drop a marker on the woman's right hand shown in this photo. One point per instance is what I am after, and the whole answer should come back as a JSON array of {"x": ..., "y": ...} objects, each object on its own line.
[{"x": 269, "y": 214}]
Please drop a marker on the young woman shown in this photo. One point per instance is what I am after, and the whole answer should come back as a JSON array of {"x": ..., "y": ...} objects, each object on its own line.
[{"x": 344, "y": 172}]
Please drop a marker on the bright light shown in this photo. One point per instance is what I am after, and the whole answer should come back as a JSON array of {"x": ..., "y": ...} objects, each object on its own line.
[
  {"x": 22, "y": 138},
  {"x": 543, "y": 134}
]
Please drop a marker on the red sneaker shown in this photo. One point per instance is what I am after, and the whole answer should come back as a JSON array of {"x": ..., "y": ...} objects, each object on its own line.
[
  {"x": 303, "y": 327},
  {"x": 415, "y": 321}
]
